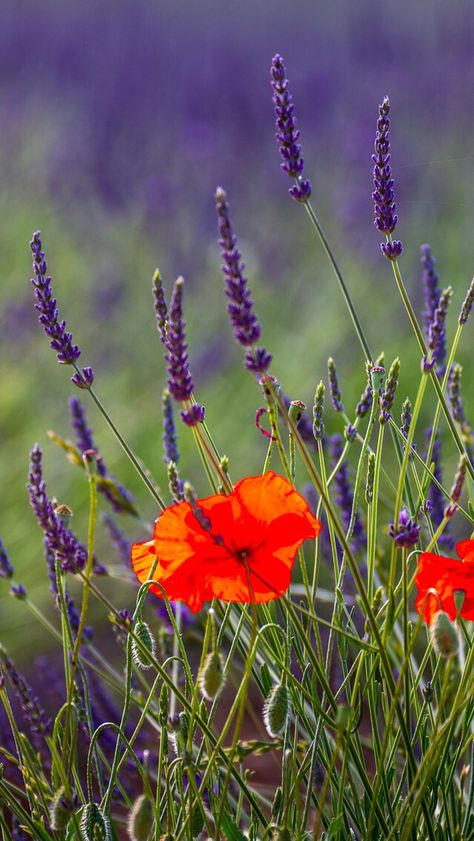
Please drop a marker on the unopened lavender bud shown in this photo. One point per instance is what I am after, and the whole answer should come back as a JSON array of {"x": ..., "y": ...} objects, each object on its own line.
[
  {"x": 170, "y": 439},
  {"x": 94, "y": 826},
  {"x": 467, "y": 304},
  {"x": 369, "y": 485},
  {"x": 318, "y": 425},
  {"x": 276, "y": 709},
  {"x": 365, "y": 403},
  {"x": 405, "y": 418},
  {"x": 437, "y": 330},
  {"x": 164, "y": 702},
  {"x": 388, "y": 395},
  {"x": 457, "y": 487},
  {"x": 211, "y": 677},
  {"x": 142, "y": 631},
  {"x": 296, "y": 410},
  {"x": 454, "y": 393},
  {"x": 141, "y": 819},
  {"x": 334, "y": 392},
  {"x": 444, "y": 636},
  {"x": 161, "y": 309},
  {"x": 175, "y": 483}
]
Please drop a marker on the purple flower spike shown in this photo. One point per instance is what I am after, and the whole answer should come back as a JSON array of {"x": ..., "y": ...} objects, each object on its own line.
[
  {"x": 194, "y": 415},
  {"x": 286, "y": 132},
  {"x": 180, "y": 382},
  {"x": 60, "y": 339},
  {"x": 384, "y": 195},
  {"x": 408, "y": 531},
  {"x": 170, "y": 440},
  {"x": 84, "y": 379},
  {"x": 430, "y": 285},
  {"x": 6, "y": 569},
  {"x": 437, "y": 334}
]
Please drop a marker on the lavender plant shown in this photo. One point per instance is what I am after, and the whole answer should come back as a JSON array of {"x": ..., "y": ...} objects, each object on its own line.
[{"x": 359, "y": 695}]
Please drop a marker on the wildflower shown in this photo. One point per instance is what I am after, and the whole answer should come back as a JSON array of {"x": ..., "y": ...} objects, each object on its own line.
[
  {"x": 408, "y": 531},
  {"x": 287, "y": 134},
  {"x": 430, "y": 284},
  {"x": 241, "y": 549},
  {"x": 180, "y": 382},
  {"x": 334, "y": 391},
  {"x": 438, "y": 579},
  {"x": 384, "y": 195},
  {"x": 244, "y": 322},
  {"x": 437, "y": 334}
]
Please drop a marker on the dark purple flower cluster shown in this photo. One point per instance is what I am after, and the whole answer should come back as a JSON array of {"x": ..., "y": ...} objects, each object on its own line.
[
  {"x": 407, "y": 532},
  {"x": 170, "y": 439},
  {"x": 334, "y": 391},
  {"x": 437, "y": 334},
  {"x": 245, "y": 324},
  {"x": 34, "y": 714},
  {"x": 436, "y": 497},
  {"x": 286, "y": 132},
  {"x": 344, "y": 496},
  {"x": 6, "y": 568},
  {"x": 119, "y": 497},
  {"x": 365, "y": 403},
  {"x": 60, "y": 540},
  {"x": 180, "y": 382},
  {"x": 430, "y": 285},
  {"x": 384, "y": 195},
  {"x": 60, "y": 339}
]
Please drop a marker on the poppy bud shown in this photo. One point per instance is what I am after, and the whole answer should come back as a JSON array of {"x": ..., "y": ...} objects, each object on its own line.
[
  {"x": 59, "y": 810},
  {"x": 142, "y": 631},
  {"x": 211, "y": 678},
  {"x": 94, "y": 826},
  {"x": 295, "y": 411},
  {"x": 276, "y": 709},
  {"x": 444, "y": 636},
  {"x": 141, "y": 819}
]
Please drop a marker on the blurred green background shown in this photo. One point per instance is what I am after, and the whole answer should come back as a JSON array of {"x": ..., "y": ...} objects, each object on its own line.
[{"x": 119, "y": 120}]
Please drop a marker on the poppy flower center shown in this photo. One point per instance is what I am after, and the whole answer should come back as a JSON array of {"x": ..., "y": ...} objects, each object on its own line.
[{"x": 242, "y": 555}]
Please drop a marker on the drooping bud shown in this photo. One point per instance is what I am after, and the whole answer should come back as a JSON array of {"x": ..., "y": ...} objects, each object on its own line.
[
  {"x": 211, "y": 677},
  {"x": 444, "y": 636},
  {"x": 276, "y": 709},
  {"x": 95, "y": 826},
  {"x": 142, "y": 631},
  {"x": 141, "y": 819},
  {"x": 60, "y": 810}
]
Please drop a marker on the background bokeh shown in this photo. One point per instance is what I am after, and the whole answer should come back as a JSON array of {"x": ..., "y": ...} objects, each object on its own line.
[{"x": 119, "y": 119}]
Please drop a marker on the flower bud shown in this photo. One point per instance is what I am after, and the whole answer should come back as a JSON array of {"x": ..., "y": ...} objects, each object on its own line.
[
  {"x": 141, "y": 819},
  {"x": 59, "y": 811},
  {"x": 444, "y": 636},
  {"x": 142, "y": 631},
  {"x": 276, "y": 709},
  {"x": 211, "y": 678},
  {"x": 94, "y": 826}
]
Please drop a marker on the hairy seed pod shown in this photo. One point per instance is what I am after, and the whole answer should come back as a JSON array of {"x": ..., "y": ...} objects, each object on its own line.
[
  {"x": 141, "y": 819},
  {"x": 94, "y": 826},
  {"x": 444, "y": 636},
  {"x": 59, "y": 811},
  {"x": 276, "y": 709},
  {"x": 142, "y": 631},
  {"x": 211, "y": 678}
]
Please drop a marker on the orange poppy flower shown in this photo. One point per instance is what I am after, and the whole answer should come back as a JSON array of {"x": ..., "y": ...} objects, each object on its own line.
[
  {"x": 244, "y": 553},
  {"x": 438, "y": 578}
]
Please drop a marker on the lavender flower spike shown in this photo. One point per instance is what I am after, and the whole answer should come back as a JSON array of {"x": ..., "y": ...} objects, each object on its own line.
[
  {"x": 6, "y": 569},
  {"x": 245, "y": 325},
  {"x": 437, "y": 333},
  {"x": 430, "y": 285},
  {"x": 384, "y": 195},
  {"x": 286, "y": 132},
  {"x": 408, "y": 531},
  {"x": 180, "y": 382},
  {"x": 60, "y": 339}
]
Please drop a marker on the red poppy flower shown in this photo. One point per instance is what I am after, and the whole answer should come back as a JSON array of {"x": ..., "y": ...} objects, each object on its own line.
[
  {"x": 438, "y": 578},
  {"x": 247, "y": 552}
]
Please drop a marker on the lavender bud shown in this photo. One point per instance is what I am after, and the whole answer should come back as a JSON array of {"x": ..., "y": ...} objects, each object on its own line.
[
  {"x": 6, "y": 569},
  {"x": 408, "y": 531},
  {"x": 350, "y": 433},
  {"x": 454, "y": 393},
  {"x": 365, "y": 403},
  {"x": 467, "y": 304},
  {"x": 18, "y": 591},
  {"x": 180, "y": 382},
  {"x": 457, "y": 487},
  {"x": 286, "y": 132},
  {"x": 430, "y": 284},
  {"x": 60, "y": 339},
  {"x": 170, "y": 439},
  {"x": 405, "y": 418},
  {"x": 384, "y": 195},
  {"x": 176, "y": 485},
  {"x": 161, "y": 310},
  {"x": 437, "y": 332},
  {"x": 388, "y": 395},
  {"x": 85, "y": 379},
  {"x": 193, "y": 415},
  {"x": 318, "y": 425},
  {"x": 276, "y": 709},
  {"x": 369, "y": 486},
  {"x": 334, "y": 392}
]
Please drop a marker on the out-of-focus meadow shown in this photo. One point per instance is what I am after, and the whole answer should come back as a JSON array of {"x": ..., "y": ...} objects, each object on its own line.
[{"x": 119, "y": 119}]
